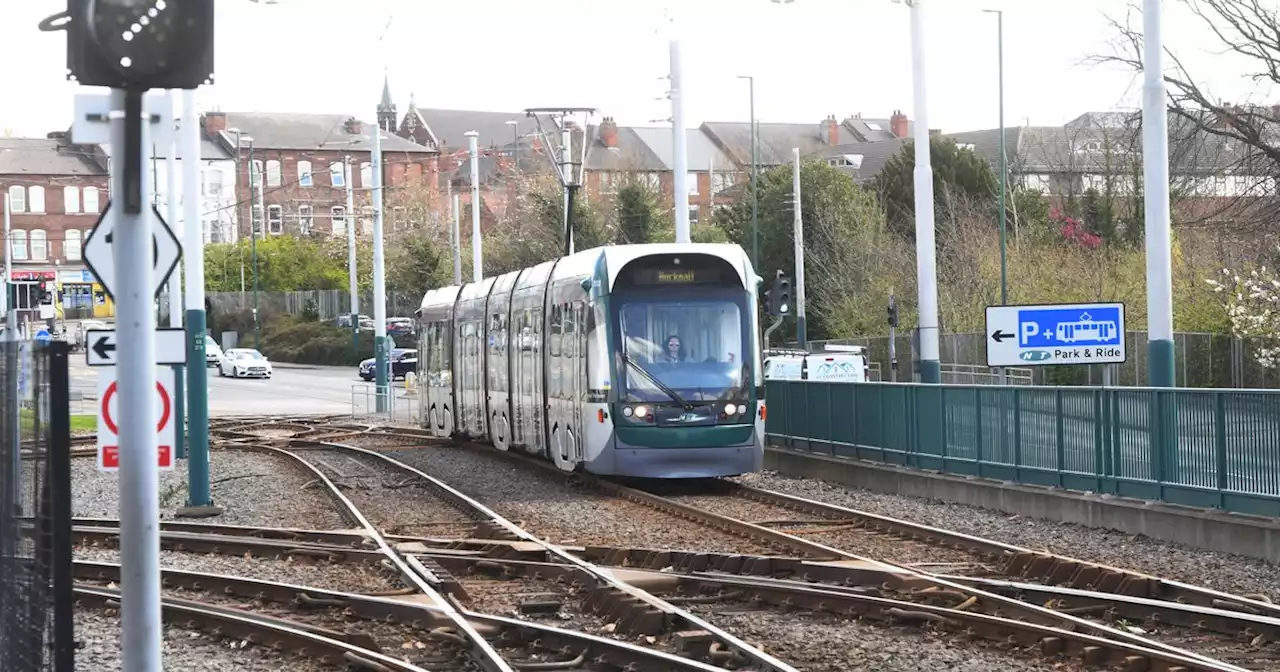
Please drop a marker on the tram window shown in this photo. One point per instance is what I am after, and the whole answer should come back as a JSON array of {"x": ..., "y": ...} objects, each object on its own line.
[{"x": 553, "y": 332}]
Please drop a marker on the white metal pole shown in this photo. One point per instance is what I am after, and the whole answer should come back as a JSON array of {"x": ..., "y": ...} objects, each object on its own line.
[
  {"x": 457, "y": 238},
  {"x": 350, "y": 225},
  {"x": 171, "y": 213},
  {"x": 566, "y": 172},
  {"x": 8, "y": 262},
  {"x": 381, "y": 351},
  {"x": 136, "y": 401},
  {"x": 679, "y": 151},
  {"x": 798, "y": 231},
  {"x": 12, "y": 359},
  {"x": 1155, "y": 171},
  {"x": 477, "y": 261},
  {"x": 926, "y": 262}
]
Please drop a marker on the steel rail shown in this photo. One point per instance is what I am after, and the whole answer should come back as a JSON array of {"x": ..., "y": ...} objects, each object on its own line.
[
  {"x": 351, "y": 539},
  {"x": 191, "y": 542},
  {"x": 1026, "y": 563},
  {"x": 252, "y": 628},
  {"x": 605, "y": 576},
  {"x": 483, "y": 651},
  {"x": 418, "y": 615}
]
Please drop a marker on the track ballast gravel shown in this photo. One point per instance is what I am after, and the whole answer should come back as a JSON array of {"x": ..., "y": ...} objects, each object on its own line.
[
  {"x": 1220, "y": 571},
  {"x": 554, "y": 508}
]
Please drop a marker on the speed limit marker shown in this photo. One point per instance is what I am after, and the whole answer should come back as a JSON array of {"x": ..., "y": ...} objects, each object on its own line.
[{"x": 109, "y": 414}]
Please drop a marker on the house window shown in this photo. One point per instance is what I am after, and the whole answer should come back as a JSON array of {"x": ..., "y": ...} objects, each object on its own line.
[
  {"x": 304, "y": 219},
  {"x": 397, "y": 217},
  {"x": 693, "y": 183},
  {"x": 366, "y": 175},
  {"x": 70, "y": 199},
  {"x": 366, "y": 221},
  {"x": 722, "y": 181},
  {"x": 19, "y": 244},
  {"x": 874, "y": 126},
  {"x": 91, "y": 200},
  {"x": 335, "y": 175},
  {"x": 653, "y": 181},
  {"x": 17, "y": 199},
  {"x": 339, "y": 215},
  {"x": 273, "y": 173},
  {"x": 71, "y": 245},
  {"x": 693, "y": 214},
  {"x": 965, "y": 145},
  {"x": 304, "y": 173},
  {"x": 36, "y": 194},
  {"x": 39, "y": 245},
  {"x": 275, "y": 219}
]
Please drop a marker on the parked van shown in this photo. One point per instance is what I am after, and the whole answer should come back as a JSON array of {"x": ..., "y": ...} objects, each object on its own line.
[{"x": 837, "y": 363}]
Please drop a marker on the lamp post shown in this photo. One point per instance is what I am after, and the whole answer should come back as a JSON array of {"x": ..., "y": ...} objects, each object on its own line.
[
  {"x": 1004, "y": 170},
  {"x": 755, "y": 174},
  {"x": 256, "y": 199},
  {"x": 515, "y": 142}
]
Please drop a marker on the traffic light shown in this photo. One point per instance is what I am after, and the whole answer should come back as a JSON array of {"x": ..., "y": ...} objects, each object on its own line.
[
  {"x": 133, "y": 45},
  {"x": 780, "y": 295},
  {"x": 893, "y": 313}
]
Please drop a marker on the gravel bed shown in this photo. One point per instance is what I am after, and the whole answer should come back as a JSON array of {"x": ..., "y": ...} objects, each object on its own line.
[
  {"x": 393, "y": 501},
  {"x": 99, "y": 634},
  {"x": 255, "y": 489},
  {"x": 1220, "y": 571},
  {"x": 344, "y": 577},
  {"x": 820, "y": 643},
  {"x": 549, "y": 506}
]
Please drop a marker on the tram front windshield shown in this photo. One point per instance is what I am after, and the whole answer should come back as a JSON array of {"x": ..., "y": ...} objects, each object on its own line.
[{"x": 694, "y": 340}]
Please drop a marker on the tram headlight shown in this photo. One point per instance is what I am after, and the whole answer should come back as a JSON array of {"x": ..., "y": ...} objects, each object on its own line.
[
  {"x": 642, "y": 411},
  {"x": 627, "y": 411},
  {"x": 730, "y": 409}
]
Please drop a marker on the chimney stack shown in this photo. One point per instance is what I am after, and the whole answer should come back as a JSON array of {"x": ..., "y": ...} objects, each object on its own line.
[
  {"x": 898, "y": 125},
  {"x": 608, "y": 132},
  {"x": 214, "y": 122},
  {"x": 831, "y": 130},
  {"x": 354, "y": 126}
]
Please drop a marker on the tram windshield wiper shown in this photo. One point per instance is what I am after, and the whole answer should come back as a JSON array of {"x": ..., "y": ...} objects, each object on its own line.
[{"x": 666, "y": 389}]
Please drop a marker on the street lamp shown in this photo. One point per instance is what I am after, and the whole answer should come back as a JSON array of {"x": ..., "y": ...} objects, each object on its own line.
[
  {"x": 515, "y": 143},
  {"x": 254, "y": 197},
  {"x": 1004, "y": 174},
  {"x": 755, "y": 175}
]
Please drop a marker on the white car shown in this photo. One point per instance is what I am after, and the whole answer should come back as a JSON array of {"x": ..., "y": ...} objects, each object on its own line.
[
  {"x": 244, "y": 363},
  {"x": 212, "y": 352}
]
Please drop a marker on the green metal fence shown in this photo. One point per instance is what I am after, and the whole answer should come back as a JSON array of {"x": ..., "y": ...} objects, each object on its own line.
[{"x": 1195, "y": 447}]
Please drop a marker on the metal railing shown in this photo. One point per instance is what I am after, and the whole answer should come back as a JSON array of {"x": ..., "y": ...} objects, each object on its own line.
[
  {"x": 402, "y": 406},
  {"x": 1195, "y": 447},
  {"x": 36, "y": 621}
]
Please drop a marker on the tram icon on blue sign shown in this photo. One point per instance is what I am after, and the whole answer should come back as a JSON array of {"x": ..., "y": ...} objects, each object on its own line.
[{"x": 1097, "y": 325}]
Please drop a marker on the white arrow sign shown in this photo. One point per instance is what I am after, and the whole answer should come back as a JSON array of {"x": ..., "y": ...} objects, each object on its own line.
[
  {"x": 100, "y": 346},
  {"x": 166, "y": 251}
]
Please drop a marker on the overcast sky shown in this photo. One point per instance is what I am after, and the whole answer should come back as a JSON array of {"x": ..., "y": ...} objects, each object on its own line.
[{"x": 810, "y": 58}]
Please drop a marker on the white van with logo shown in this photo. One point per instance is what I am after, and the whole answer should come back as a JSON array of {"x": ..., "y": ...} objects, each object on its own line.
[{"x": 837, "y": 363}]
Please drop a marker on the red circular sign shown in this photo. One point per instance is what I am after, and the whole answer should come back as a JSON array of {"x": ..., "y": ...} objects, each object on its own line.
[{"x": 111, "y": 392}]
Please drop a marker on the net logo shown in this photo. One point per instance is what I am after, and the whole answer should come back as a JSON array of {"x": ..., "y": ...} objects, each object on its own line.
[{"x": 1035, "y": 355}]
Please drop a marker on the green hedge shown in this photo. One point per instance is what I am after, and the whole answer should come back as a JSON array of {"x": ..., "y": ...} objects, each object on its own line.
[{"x": 294, "y": 339}]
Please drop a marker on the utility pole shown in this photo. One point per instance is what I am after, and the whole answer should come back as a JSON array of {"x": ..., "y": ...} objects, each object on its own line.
[
  {"x": 380, "y": 349},
  {"x": 456, "y": 238},
  {"x": 1155, "y": 170},
  {"x": 1004, "y": 172},
  {"x": 255, "y": 176},
  {"x": 801, "y": 335},
  {"x": 198, "y": 478},
  {"x": 926, "y": 261},
  {"x": 352, "y": 280},
  {"x": 477, "y": 262},
  {"x": 679, "y": 148},
  {"x": 175, "y": 281}
]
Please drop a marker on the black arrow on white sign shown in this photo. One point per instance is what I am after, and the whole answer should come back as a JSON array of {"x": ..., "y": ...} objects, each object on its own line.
[
  {"x": 155, "y": 248},
  {"x": 999, "y": 336},
  {"x": 103, "y": 347}
]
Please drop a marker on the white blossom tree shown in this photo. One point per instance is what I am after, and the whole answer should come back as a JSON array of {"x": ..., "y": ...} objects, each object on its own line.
[{"x": 1252, "y": 303}]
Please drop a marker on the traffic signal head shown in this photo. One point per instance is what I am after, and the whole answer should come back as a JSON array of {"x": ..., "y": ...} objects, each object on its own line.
[
  {"x": 780, "y": 295},
  {"x": 136, "y": 44},
  {"x": 893, "y": 313}
]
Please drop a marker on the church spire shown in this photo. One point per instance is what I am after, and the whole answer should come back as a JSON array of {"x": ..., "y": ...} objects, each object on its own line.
[{"x": 387, "y": 108}]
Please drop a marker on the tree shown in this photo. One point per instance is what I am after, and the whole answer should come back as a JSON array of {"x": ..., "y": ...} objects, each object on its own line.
[
  {"x": 961, "y": 178},
  {"x": 1253, "y": 307},
  {"x": 415, "y": 263},
  {"x": 638, "y": 212},
  {"x": 1238, "y": 140}
]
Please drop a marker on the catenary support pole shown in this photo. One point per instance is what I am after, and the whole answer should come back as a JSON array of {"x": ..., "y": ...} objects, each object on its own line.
[
  {"x": 798, "y": 233},
  {"x": 381, "y": 351},
  {"x": 12, "y": 361},
  {"x": 171, "y": 186},
  {"x": 198, "y": 480},
  {"x": 256, "y": 230},
  {"x": 926, "y": 262},
  {"x": 1155, "y": 170},
  {"x": 566, "y": 176},
  {"x": 456, "y": 239},
  {"x": 477, "y": 260},
  {"x": 135, "y": 388},
  {"x": 353, "y": 280},
  {"x": 679, "y": 141}
]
